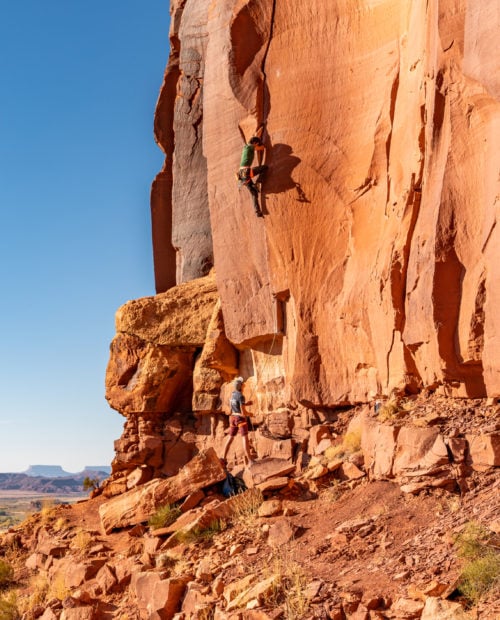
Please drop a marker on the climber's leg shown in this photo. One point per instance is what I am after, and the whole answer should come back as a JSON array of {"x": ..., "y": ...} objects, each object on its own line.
[
  {"x": 256, "y": 170},
  {"x": 255, "y": 198}
]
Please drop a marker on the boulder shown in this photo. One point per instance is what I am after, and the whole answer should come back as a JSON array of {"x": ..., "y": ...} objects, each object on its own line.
[
  {"x": 177, "y": 318},
  {"x": 156, "y": 597},
  {"x": 151, "y": 356},
  {"x": 196, "y": 602},
  {"x": 406, "y": 609},
  {"x": 106, "y": 579},
  {"x": 273, "y": 448},
  {"x": 378, "y": 443},
  {"x": 484, "y": 451},
  {"x": 192, "y": 500},
  {"x": 260, "y": 589},
  {"x": 270, "y": 508},
  {"x": 281, "y": 532},
  {"x": 438, "y": 609},
  {"x": 77, "y": 573},
  {"x": 142, "y": 376},
  {"x": 273, "y": 484},
  {"x": 36, "y": 561},
  {"x": 419, "y": 449},
  {"x": 265, "y": 469},
  {"x": 137, "y": 505},
  {"x": 349, "y": 471}
]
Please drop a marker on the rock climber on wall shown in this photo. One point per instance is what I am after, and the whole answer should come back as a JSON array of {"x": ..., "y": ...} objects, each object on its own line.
[{"x": 246, "y": 172}]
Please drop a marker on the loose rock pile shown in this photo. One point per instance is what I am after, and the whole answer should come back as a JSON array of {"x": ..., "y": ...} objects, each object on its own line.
[{"x": 359, "y": 525}]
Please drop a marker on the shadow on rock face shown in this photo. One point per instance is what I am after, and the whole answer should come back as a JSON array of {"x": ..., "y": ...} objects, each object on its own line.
[{"x": 279, "y": 176}]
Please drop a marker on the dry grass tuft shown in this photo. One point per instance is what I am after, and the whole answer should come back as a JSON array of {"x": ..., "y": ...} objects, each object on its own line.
[
  {"x": 48, "y": 511},
  {"x": 60, "y": 524},
  {"x": 335, "y": 491},
  {"x": 201, "y": 534},
  {"x": 168, "y": 561},
  {"x": 39, "y": 588},
  {"x": 389, "y": 410},
  {"x": 82, "y": 540},
  {"x": 57, "y": 588},
  {"x": 246, "y": 505},
  {"x": 164, "y": 516},
  {"x": 289, "y": 590},
  {"x": 351, "y": 443}
]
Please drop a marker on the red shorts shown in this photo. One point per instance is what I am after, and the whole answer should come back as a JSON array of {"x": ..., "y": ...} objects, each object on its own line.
[{"x": 238, "y": 424}]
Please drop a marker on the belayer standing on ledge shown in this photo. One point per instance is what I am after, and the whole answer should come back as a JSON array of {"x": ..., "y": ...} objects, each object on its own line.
[
  {"x": 238, "y": 420},
  {"x": 246, "y": 172}
]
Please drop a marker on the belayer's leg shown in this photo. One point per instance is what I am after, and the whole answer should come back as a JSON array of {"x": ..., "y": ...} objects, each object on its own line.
[{"x": 227, "y": 443}]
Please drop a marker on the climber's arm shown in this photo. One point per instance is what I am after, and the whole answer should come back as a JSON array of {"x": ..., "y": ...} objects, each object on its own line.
[{"x": 261, "y": 153}]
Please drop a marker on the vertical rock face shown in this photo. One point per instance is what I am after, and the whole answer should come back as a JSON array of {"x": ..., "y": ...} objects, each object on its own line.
[
  {"x": 179, "y": 131},
  {"x": 377, "y": 256}
]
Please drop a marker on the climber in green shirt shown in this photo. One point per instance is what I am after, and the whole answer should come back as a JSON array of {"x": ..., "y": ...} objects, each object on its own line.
[{"x": 246, "y": 172}]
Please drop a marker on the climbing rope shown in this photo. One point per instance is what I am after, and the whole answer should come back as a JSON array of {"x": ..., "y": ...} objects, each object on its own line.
[
  {"x": 251, "y": 428},
  {"x": 263, "y": 125}
]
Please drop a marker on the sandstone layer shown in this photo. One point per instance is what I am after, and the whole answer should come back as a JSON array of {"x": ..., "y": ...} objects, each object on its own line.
[{"x": 375, "y": 266}]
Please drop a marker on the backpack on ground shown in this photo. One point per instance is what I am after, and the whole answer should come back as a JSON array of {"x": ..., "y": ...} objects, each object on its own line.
[{"x": 233, "y": 485}]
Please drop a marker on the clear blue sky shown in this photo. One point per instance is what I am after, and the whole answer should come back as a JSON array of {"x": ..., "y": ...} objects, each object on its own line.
[{"x": 80, "y": 81}]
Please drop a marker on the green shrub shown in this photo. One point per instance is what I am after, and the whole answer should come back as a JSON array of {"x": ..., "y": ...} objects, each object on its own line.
[
  {"x": 90, "y": 484},
  {"x": 471, "y": 543},
  {"x": 479, "y": 576},
  {"x": 481, "y": 568},
  {"x": 8, "y": 608},
  {"x": 6, "y": 573},
  {"x": 164, "y": 516}
]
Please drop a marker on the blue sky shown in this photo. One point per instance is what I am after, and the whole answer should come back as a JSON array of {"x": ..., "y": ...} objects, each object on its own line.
[{"x": 79, "y": 86}]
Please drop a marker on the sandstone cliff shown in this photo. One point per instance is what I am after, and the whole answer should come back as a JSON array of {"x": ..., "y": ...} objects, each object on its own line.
[
  {"x": 361, "y": 310},
  {"x": 377, "y": 251},
  {"x": 374, "y": 269}
]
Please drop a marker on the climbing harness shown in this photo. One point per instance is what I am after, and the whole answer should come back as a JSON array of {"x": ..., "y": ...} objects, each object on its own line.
[{"x": 244, "y": 176}]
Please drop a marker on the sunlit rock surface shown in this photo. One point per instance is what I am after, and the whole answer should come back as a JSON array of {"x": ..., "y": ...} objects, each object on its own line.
[{"x": 377, "y": 253}]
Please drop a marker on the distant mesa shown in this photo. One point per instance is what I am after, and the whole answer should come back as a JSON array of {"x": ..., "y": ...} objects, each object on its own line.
[
  {"x": 48, "y": 471},
  {"x": 96, "y": 469},
  {"x": 56, "y": 471},
  {"x": 51, "y": 479}
]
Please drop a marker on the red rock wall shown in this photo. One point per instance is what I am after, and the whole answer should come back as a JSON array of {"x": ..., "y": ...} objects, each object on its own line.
[
  {"x": 181, "y": 218},
  {"x": 378, "y": 244}
]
